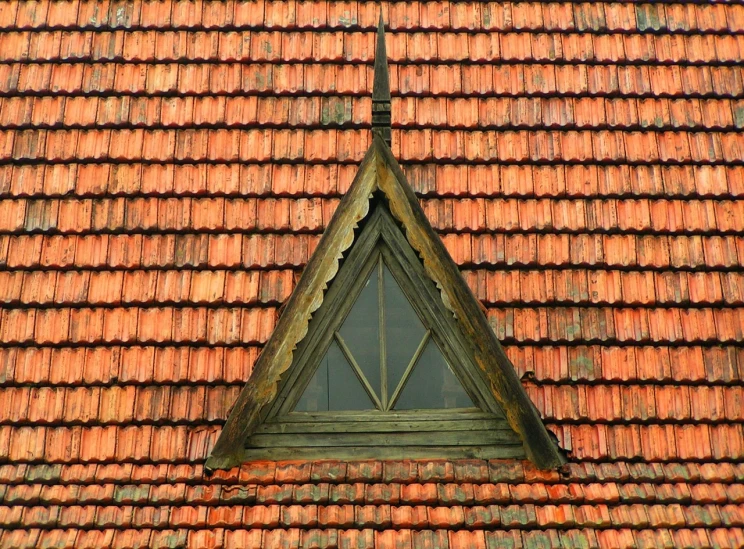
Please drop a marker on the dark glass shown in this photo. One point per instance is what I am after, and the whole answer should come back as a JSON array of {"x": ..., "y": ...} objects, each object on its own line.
[
  {"x": 432, "y": 384},
  {"x": 361, "y": 332},
  {"x": 334, "y": 386},
  {"x": 403, "y": 330}
]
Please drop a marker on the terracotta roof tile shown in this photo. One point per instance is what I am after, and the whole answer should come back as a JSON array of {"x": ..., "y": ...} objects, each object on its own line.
[{"x": 157, "y": 139}]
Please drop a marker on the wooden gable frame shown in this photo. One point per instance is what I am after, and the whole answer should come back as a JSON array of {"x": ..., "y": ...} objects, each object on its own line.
[
  {"x": 379, "y": 174},
  {"x": 475, "y": 430},
  {"x": 380, "y": 181}
]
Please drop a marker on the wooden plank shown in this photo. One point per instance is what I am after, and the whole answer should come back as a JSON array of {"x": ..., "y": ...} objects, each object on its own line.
[
  {"x": 407, "y": 415},
  {"x": 394, "y": 453},
  {"x": 386, "y": 426},
  {"x": 409, "y": 438}
]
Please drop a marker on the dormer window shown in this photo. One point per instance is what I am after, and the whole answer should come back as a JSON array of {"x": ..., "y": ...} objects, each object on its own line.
[{"x": 382, "y": 350}]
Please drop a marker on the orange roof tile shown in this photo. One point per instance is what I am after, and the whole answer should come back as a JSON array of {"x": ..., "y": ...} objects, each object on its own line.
[{"x": 167, "y": 168}]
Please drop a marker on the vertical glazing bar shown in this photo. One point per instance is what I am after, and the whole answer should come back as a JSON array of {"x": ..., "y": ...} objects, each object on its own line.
[{"x": 383, "y": 353}]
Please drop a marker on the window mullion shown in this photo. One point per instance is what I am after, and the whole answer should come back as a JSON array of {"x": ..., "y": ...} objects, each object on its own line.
[
  {"x": 357, "y": 370},
  {"x": 409, "y": 368},
  {"x": 383, "y": 348}
]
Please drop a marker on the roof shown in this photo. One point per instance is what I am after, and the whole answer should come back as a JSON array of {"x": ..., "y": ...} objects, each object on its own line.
[{"x": 166, "y": 168}]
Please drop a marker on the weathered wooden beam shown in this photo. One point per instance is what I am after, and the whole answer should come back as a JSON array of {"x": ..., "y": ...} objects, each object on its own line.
[
  {"x": 464, "y": 414},
  {"x": 364, "y": 426},
  {"x": 352, "y": 453},
  {"x": 469, "y": 437}
]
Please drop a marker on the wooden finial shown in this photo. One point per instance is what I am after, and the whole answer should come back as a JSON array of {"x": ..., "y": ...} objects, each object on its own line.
[{"x": 381, "y": 88}]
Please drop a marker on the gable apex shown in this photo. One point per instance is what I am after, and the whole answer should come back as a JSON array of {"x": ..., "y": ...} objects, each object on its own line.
[{"x": 379, "y": 172}]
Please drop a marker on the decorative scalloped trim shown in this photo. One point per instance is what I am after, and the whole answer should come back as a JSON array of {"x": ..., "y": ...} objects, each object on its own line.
[
  {"x": 446, "y": 300},
  {"x": 290, "y": 347}
]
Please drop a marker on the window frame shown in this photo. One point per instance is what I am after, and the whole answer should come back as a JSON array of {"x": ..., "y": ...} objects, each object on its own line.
[
  {"x": 380, "y": 177},
  {"x": 380, "y": 240},
  {"x": 481, "y": 432},
  {"x": 390, "y": 393}
]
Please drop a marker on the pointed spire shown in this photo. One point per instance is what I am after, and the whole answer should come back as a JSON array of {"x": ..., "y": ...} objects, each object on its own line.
[{"x": 381, "y": 88}]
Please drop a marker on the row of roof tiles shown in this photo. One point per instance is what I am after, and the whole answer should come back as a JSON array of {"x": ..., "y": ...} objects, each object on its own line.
[
  {"x": 431, "y": 494},
  {"x": 481, "y": 79},
  {"x": 148, "y": 444},
  {"x": 285, "y": 250},
  {"x": 281, "y": 473},
  {"x": 263, "y": 145},
  {"x": 81, "y": 216},
  {"x": 573, "y": 215},
  {"x": 142, "y": 250},
  {"x": 587, "y": 16},
  {"x": 610, "y": 250},
  {"x": 127, "y": 365},
  {"x": 634, "y": 404},
  {"x": 267, "y": 179},
  {"x": 612, "y": 287},
  {"x": 167, "y": 405},
  {"x": 130, "y": 325},
  {"x": 256, "y": 145},
  {"x": 178, "y": 444},
  {"x": 308, "y": 112},
  {"x": 635, "y": 288},
  {"x": 561, "y": 365},
  {"x": 283, "y": 46},
  {"x": 133, "y": 365},
  {"x": 634, "y": 326},
  {"x": 205, "y": 287},
  {"x": 652, "y": 442},
  {"x": 193, "y": 112},
  {"x": 229, "y": 326},
  {"x": 377, "y": 516},
  {"x": 117, "y": 405},
  {"x": 136, "y": 539},
  {"x": 314, "y": 538}
]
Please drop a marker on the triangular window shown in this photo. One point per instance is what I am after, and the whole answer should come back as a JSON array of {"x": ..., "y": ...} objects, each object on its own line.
[
  {"x": 382, "y": 351},
  {"x": 383, "y": 370},
  {"x": 383, "y": 357}
]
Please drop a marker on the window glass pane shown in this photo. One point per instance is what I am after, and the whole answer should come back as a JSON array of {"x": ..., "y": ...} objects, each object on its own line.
[
  {"x": 361, "y": 332},
  {"x": 432, "y": 384},
  {"x": 403, "y": 330},
  {"x": 334, "y": 387},
  {"x": 315, "y": 397}
]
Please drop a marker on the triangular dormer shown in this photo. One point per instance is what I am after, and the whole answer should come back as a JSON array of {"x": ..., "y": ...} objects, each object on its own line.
[{"x": 382, "y": 350}]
